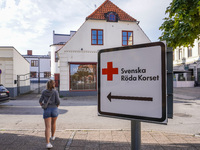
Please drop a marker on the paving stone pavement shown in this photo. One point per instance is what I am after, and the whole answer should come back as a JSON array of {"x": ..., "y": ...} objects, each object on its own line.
[{"x": 97, "y": 140}]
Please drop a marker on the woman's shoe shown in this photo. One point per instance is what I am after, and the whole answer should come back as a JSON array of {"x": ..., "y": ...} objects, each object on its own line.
[
  {"x": 53, "y": 138},
  {"x": 49, "y": 145}
]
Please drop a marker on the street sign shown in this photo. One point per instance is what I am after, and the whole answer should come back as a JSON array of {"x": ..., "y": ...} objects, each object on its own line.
[{"x": 132, "y": 82}]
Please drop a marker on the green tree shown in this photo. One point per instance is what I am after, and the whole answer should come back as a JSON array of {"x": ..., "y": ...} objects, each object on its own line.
[{"x": 182, "y": 26}]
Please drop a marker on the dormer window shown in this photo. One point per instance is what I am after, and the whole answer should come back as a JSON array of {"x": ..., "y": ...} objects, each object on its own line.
[{"x": 111, "y": 17}]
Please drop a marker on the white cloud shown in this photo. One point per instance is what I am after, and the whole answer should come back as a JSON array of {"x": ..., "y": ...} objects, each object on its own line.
[
  {"x": 22, "y": 23},
  {"x": 28, "y": 24}
]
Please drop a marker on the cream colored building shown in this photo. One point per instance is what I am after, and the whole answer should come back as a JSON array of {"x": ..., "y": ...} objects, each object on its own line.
[
  {"x": 59, "y": 40},
  {"x": 14, "y": 71},
  {"x": 186, "y": 62},
  {"x": 107, "y": 27}
]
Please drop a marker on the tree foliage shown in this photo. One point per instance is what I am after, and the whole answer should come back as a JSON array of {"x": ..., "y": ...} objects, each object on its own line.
[{"x": 182, "y": 26}]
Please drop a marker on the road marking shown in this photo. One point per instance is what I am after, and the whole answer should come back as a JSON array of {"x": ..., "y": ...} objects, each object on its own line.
[{"x": 70, "y": 140}]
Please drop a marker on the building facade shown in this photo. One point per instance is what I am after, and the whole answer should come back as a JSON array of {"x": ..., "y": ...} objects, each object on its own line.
[
  {"x": 108, "y": 26},
  {"x": 59, "y": 41},
  {"x": 186, "y": 62},
  {"x": 40, "y": 66},
  {"x": 14, "y": 71}
]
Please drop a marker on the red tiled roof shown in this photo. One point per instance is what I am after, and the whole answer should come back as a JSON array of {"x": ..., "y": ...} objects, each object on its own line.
[{"x": 108, "y": 6}]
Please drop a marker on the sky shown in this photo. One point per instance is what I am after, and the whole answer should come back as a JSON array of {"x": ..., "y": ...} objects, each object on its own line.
[{"x": 29, "y": 24}]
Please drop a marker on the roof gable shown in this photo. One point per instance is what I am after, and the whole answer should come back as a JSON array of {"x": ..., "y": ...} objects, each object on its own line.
[{"x": 108, "y": 6}]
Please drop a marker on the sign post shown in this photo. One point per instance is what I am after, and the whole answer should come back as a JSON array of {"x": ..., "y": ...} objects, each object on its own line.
[
  {"x": 135, "y": 135},
  {"x": 132, "y": 85}
]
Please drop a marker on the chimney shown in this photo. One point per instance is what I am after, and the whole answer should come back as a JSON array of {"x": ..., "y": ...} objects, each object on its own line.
[{"x": 29, "y": 52}]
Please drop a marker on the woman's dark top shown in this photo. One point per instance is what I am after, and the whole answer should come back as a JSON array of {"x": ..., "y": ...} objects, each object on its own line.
[{"x": 54, "y": 101}]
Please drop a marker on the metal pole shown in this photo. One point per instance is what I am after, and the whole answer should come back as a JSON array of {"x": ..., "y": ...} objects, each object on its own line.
[
  {"x": 38, "y": 75},
  {"x": 18, "y": 85},
  {"x": 135, "y": 135}
]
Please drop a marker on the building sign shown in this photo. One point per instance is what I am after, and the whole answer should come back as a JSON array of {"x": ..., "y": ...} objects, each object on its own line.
[{"x": 132, "y": 82}]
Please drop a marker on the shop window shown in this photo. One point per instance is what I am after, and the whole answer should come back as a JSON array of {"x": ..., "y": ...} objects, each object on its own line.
[
  {"x": 34, "y": 63},
  {"x": 127, "y": 38},
  {"x": 97, "y": 37},
  {"x": 33, "y": 74},
  {"x": 47, "y": 74},
  {"x": 83, "y": 77},
  {"x": 189, "y": 51}
]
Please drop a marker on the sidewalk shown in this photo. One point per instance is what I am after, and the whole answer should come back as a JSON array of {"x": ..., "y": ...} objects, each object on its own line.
[
  {"x": 97, "y": 140},
  {"x": 187, "y": 93}
]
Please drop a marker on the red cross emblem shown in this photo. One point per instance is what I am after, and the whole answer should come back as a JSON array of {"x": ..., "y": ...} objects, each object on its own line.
[{"x": 109, "y": 71}]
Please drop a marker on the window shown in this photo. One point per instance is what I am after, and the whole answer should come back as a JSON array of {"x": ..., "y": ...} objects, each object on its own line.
[
  {"x": 177, "y": 54},
  {"x": 32, "y": 74},
  {"x": 112, "y": 17},
  {"x": 83, "y": 76},
  {"x": 180, "y": 53},
  {"x": 183, "y": 55},
  {"x": 47, "y": 74},
  {"x": 97, "y": 37},
  {"x": 199, "y": 48},
  {"x": 189, "y": 51},
  {"x": 127, "y": 38},
  {"x": 56, "y": 57},
  {"x": 34, "y": 63}
]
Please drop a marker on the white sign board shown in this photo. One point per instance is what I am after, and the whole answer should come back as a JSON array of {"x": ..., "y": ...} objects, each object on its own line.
[{"x": 132, "y": 82}]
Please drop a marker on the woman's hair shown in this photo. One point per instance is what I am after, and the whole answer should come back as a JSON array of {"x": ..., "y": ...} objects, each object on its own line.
[{"x": 50, "y": 84}]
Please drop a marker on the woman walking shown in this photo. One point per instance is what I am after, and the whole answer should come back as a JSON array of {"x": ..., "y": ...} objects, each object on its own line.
[{"x": 50, "y": 97}]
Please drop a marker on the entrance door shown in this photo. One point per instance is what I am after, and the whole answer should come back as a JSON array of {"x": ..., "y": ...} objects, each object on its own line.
[{"x": 57, "y": 79}]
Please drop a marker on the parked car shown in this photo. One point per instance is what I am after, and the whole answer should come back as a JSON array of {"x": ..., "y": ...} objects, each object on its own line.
[{"x": 4, "y": 94}]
